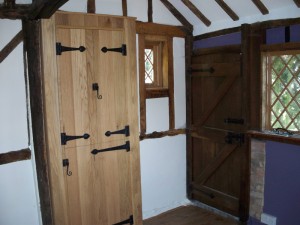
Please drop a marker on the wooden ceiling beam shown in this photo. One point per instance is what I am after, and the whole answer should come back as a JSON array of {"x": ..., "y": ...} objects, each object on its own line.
[
  {"x": 178, "y": 15},
  {"x": 262, "y": 8},
  {"x": 228, "y": 10},
  {"x": 297, "y": 2},
  {"x": 45, "y": 8},
  {"x": 124, "y": 7},
  {"x": 197, "y": 12},
  {"x": 91, "y": 6},
  {"x": 14, "y": 12},
  {"x": 150, "y": 11}
]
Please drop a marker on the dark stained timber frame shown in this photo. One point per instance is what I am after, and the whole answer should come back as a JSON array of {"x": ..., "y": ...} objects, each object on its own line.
[{"x": 32, "y": 44}]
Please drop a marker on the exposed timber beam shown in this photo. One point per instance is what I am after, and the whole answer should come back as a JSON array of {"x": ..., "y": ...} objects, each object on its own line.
[
  {"x": 124, "y": 7},
  {"x": 297, "y": 2},
  {"x": 155, "y": 134},
  {"x": 228, "y": 10},
  {"x": 160, "y": 29},
  {"x": 197, "y": 12},
  {"x": 11, "y": 46},
  {"x": 15, "y": 156},
  {"x": 91, "y": 6},
  {"x": 10, "y": 3},
  {"x": 262, "y": 8},
  {"x": 150, "y": 11},
  {"x": 178, "y": 15},
  {"x": 14, "y": 12},
  {"x": 45, "y": 8}
]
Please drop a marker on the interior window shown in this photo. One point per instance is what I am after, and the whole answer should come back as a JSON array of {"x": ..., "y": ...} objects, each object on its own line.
[
  {"x": 156, "y": 73},
  {"x": 282, "y": 90}
]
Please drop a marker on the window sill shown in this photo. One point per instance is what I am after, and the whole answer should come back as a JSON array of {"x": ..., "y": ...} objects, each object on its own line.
[
  {"x": 157, "y": 92},
  {"x": 294, "y": 139}
]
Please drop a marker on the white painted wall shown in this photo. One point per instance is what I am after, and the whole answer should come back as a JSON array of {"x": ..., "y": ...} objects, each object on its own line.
[{"x": 18, "y": 198}]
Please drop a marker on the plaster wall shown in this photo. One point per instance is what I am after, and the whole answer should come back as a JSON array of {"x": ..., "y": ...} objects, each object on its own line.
[{"x": 18, "y": 198}]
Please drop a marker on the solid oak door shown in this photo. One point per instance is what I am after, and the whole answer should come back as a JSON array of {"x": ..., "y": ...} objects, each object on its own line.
[
  {"x": 94, "y": 93},
  {"x": 217, "y": 149}
]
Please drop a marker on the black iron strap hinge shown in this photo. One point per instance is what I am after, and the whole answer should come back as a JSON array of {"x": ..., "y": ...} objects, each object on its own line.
[
  {"x": 128, "y": 221},
  {"x": 60, "y": 48},
  {"x": 122, "y": 50},
  {"x": 126, "y": 147},
  {"x": 235, "y": 138},
  {"x": 65, "y": 138},
  {"x": 124, "y": 131}
]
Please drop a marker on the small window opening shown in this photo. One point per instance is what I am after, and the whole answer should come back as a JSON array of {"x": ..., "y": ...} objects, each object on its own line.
[{"x": 282, "y": 103}]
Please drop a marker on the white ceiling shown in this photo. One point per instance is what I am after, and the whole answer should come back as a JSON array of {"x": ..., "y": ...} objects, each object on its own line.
[{"x": 245, "y": 9}]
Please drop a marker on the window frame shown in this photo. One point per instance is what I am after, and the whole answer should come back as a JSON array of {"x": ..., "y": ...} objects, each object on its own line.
[
  {"x": 267, "y": 51},
  {"x": 166, "y": 85}
]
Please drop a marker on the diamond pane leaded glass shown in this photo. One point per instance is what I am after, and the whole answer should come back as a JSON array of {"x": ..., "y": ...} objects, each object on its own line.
[{"x": 285, "y": 92}]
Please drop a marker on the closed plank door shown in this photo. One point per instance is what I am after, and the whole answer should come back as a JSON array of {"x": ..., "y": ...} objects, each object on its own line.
[
  {"x": 217, "y": 149},
  {"x": 97, "y": 146}
]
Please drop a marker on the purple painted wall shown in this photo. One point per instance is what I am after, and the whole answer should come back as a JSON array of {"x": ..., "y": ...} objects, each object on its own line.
[
  {"x": 282, "y": 183},
  {"x": 223, "y": 40},
  {"x": 277, "y": 35}
]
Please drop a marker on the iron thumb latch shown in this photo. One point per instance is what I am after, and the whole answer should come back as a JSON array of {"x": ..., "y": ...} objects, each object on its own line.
[
  {"x": 128, "y": 221},
  {"x": 235, "y": 138}
]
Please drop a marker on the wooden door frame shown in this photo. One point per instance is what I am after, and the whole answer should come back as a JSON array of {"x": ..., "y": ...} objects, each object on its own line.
[{"x": 34, "y": 79}]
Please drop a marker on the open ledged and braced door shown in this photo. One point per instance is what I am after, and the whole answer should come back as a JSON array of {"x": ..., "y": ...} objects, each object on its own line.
[
  {"x": 217, "y": 149},
  {"x": 91, "y": 114}
]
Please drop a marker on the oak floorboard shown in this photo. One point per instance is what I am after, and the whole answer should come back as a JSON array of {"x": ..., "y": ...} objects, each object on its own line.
[{"x": 189, "y": 215}]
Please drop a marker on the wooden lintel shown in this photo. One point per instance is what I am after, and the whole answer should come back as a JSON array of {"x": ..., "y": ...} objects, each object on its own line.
[
  {"x": 228, "y": 10},
  {"x": 178, "y": 15},
  {"x": 11, "y": 46},
  {"x": 15, "y": 156},
  {"x": 160, "y": 29},
  {"x": 297, "y": 2},
  {"x": 124, "y": 7},
  {"x": 91, "y": 6},
  {"x": 262, "y": 8},
  {"x": 155, "y": 134},
  {"x": 44, "y": 9},
  {"x": 150, "y": 11},
  {"x": 217, "y": 33},
  {"x": 197, "y": 12}
]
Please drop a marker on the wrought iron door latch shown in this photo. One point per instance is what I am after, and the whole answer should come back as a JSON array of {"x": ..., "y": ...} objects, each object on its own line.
[
  {"x": 232, "y": 138},
  {"x": 95, "y": 87},
  {"x": 65, "y": 138},
  {"x": 124, "y": 131},
  {"x": 66, "y": 164},
  {"x": 126, "y": 147},
  {"x": 60, "y": 48},
  {"x": 128, "y": 221},
  {"x": 121, "y": 50}
]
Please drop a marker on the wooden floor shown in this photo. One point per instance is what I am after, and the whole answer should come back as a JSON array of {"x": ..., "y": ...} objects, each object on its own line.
[{"x": 189, "y": 215}]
